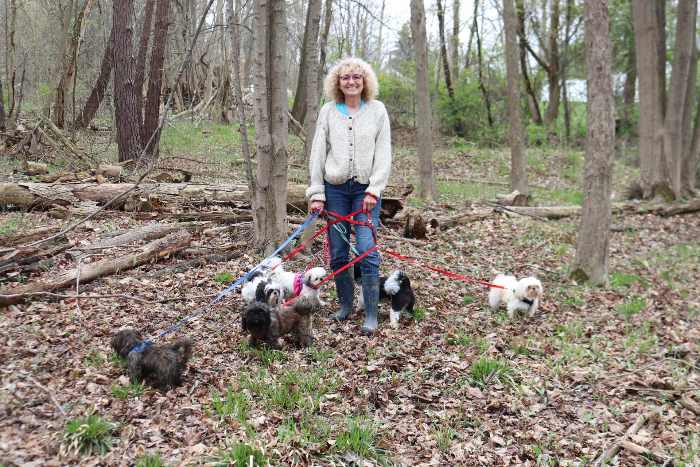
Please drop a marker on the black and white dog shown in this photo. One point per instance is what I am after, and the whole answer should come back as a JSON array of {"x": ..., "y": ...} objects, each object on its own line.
[{"x": 395, "y": 288}]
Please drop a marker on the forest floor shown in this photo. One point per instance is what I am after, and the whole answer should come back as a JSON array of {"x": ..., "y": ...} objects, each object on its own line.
[{"x": 458, "y": 384}]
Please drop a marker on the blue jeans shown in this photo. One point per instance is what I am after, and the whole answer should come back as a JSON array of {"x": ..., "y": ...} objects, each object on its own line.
[{"x": 344, "y": 199}]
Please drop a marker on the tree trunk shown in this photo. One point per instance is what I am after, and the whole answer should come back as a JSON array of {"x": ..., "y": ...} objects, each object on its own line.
[
  {"x": 443, "y": 50},
  {"x": 234, "y": 14},
  {"x": 650, "y": 112},
  {"x": 630, "y": 86},
  {"x": 98, "y": 90},
  {"x": 141, "y": 59},
  {"x": 677, "y": 96},
  {"x": 454, "y": 41},
  {"x": 311, "y": 76},
  {"x": 146, "y": 197},
  {"x": 150, "y": 136},
  {"x": 323, "y": 41},
  {"x": 532, "y": 98},
  {"x": 2, "y": 108},
  {"x": 565, "y": 70},
  {"x": 313, "y": 17},
  {"x": 691, "y": 155},
  {"x": 424, "y": 112},
  {"x": 126, "y": 119},
  {"x": 518, "y": 172},
  {"x": 591, "y": 261},
  {"x": 11, "y": 64},
  {"x": 480, "y": 71},
  {"x": 70, "y": 59},
  {"x": 553, "y": 78},
  {"x": 271, "y": 122}
]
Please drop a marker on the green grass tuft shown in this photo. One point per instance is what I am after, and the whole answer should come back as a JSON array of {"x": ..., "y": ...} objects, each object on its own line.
[
  {"x": 223, "y": 277},
  {"x": 89, "y": 435},
  {"x": 232, "y": 405},
  {"x": 241, "y": 454},
  {"x": 150, "y": 460},
  {"x": 360, "y": 438},
  {"x": 485, "y": 371},
  {"x": 125, "y": 392},
  {"x": 621, "y": 280},
  {"x": 631, "y": 307}
]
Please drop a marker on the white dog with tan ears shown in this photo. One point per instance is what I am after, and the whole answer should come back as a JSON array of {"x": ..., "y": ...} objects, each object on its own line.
[{"x": 523, "y": 294}]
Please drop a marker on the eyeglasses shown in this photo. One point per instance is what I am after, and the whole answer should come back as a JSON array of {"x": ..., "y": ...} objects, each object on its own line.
[{"x": 355, "y": 77}]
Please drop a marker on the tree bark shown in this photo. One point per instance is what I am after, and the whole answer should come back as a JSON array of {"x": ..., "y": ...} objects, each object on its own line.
[
  {"x": 323, "y": 41},
  {"x": 70, "y": 59},
  {"x": 2, "y": 108},
  {"x": 309, "y": 47},
  {"x": 11, "y": 65},
  {"x": 141, "y": 59},
  {"x": 518, "y": 172},
  {"x": 271, "y": 122},
  {"x": 690, "y": 161},
  {"x": 650, "y": 109},
  {"x": 150, "y": 135},
  {"x": 454, "y": 41},
  {"x": 677, "y": 96},
  {"x": 591, "y": 261},
  {"x": 480, "y": 71},
  {"x": 533, "y": 100},
  {"x": 126, "y": 118},
  {"x": 311, "y": 93},
  {"x": 160, "y": 248},
  {"x": 630, "y": 86},
  {"x": 443, "y": 50},
  {"x": 553, "y": 70},
  {"x": 234, "y": 13},
  {"x": 98, "y": 90},
  {"x": 426, "y": 189}
]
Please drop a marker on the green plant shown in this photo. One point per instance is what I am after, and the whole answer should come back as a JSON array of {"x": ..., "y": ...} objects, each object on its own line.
[
  {"x": 485, "y": 371},
  {"x": 231, "y": 405},
  {"x": 11, "y": 224},
  {"x": 360, "y": 438},
  {"x": 468, "y": 299},
  {"x": 444, "y": 436},
  {"x": 94, "y": 359},
  {"x": 620, "y": 280},
  {"x": 124, "y": 392},
  {"x": 150, "y": 460},
  {"x": 223, "y": 277},
  {"x": 241, "y": 454},
  {"x": 418, "y": 314},
  {"x": 631, "y": 307},
  {"x": 89, "y": 435}
]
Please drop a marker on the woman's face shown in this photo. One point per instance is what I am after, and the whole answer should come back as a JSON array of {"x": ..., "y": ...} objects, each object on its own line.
[{"x": 351, "y": 82}]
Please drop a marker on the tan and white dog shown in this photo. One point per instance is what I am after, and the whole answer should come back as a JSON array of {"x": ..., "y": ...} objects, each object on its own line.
[{"x": 523, "y": 294}]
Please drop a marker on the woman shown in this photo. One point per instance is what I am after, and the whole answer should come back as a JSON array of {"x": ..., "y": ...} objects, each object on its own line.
[{"x": 349, "y": 165}]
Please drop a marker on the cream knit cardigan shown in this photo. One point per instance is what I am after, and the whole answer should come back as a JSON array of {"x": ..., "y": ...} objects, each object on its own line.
[{"x": 345, "y": 147}]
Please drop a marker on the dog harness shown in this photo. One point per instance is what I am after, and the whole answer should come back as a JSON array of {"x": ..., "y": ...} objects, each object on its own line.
[
  {"x": 298, "y": 284},
  {"x": 527, "y": 301}
]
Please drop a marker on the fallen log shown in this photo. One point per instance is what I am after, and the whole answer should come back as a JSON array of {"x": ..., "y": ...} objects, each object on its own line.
[
  {"x": 146, "y": 197},
  {"x": 157, "y": 249},
  {"x": 645, "y": 452},
  {"x": 147, "y": 232},
  {"x": 24, "y": 237},
  {"x": 20, "y": 257},
  {"x": 559, "y": 212}
]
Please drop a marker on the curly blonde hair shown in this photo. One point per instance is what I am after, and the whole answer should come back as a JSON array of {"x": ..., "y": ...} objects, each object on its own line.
[{"x": 331, "y": 85}]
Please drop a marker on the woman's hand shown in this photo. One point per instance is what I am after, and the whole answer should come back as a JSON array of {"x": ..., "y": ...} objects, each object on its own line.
[
  {"x": 369, "y": 202},
  {"x": 316, "y": 206}
]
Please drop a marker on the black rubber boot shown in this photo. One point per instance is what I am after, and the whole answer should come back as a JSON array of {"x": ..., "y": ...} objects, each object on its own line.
[
  {"x": 370, "y": 293},
  {"x": 345, "y": 290}
]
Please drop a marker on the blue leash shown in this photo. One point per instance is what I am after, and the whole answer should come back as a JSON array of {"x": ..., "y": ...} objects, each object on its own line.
[{"x": 141, "y": 346}]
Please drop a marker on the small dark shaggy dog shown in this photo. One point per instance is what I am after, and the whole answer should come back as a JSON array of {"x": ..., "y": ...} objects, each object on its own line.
[
  {"x": 267, "y": 322},
  {"x": 160, "y": 366},
  {"x": 395, "y": 288}
]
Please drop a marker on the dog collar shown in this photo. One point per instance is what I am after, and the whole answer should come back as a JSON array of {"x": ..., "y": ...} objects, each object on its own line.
[
  {"x": 298, "y": 284},
  {"x": 528, "y": 301}
]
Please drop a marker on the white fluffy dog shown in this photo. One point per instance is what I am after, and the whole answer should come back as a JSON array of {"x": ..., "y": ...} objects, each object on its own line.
[
  {"x": 260, "y": 273},
  {"x": 298, "y": 283},
  {"x": 523, "y": 294}
]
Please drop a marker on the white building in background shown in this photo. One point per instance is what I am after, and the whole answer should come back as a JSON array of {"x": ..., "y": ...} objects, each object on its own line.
[{"x": 576, "y": 89}]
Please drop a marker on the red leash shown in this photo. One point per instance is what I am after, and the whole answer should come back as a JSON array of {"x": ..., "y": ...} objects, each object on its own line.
[{"x": 444, "y": 272}]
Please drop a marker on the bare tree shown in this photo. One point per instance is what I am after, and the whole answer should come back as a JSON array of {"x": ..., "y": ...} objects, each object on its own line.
[
  {"x": 480, "y": 68},
  {"x": 11, "y": 62},
  {"x": 309, "y": 48},
  {"x": 533, "y": 100},
  {"x": 443, "y": 49},
  {"x": 691, "y": 153},
  {"x": 591, "y": 261},
  {"x": 647, "y": 37},
  {"x": 312, "y": 77},
  {"x": 234, "y": 14},
  {"x": 271, "y": 122},
  {"x": 323, "y": 39},
  {"x": 678, "y": 93},
  {"x": 70, "y": 60},
  {"x": 150, "y": 136},
  {"x": 144, "y": 41},
  {"x": 98, "y": 90},
  {"x": 2, "y": 109},
  {"x": 454, "y": 40},
  {"x": 518, "y": 172},
  {"x": 126, "y": 119},
  {"x": 423, "y": 111}
]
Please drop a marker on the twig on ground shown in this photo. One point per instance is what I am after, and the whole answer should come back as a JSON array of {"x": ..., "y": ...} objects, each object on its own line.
[
  {"x": 97, "y": 297},
  {"x": 632, "y": 430},
  {"x": 645, "y": 452},
  {"x": 43, "y": 388}
]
